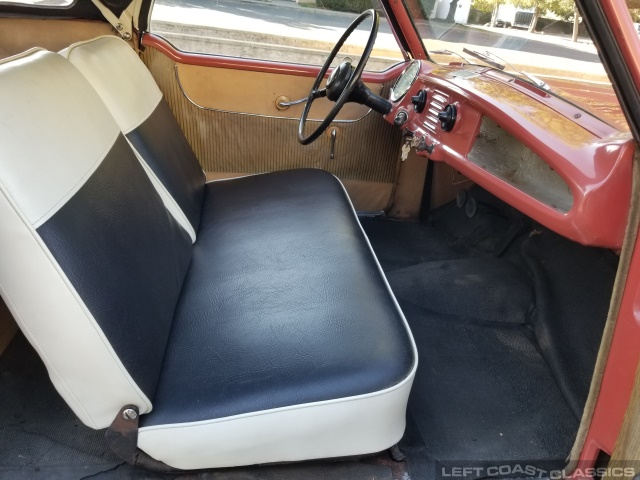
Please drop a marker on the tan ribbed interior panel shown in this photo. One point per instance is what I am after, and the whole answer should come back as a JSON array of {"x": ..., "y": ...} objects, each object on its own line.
[
  {"x": 20, "y": 34},
  {"x": 408, "y": 194},
  {"x": 365, "y": 150},
  {"x": 244, "y": 91}
]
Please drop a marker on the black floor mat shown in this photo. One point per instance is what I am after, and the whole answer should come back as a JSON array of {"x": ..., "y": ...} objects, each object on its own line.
[
  {"x": 481, "y": 289},
  {"x": 573, "y": 286},
  {"x": 507, "y": 318},
  {"x": 485, "y": 394},
  {"x": 400, "y": 244},
  {"x": 39, "y": 435}
]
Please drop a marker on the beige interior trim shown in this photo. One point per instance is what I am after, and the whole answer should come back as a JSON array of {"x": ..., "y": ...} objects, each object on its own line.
[
  {"x": 8, "y": 327},
  {"x": 365, "y": 196},
  {"x": 447, "y": 182},
  {"x": 368, "y": 196},
  {"x": 20, "y": 34},
  {"x": 256, "y": 93},
  {"x": 407, "y": 197},
  {"x": 628, "y": 245},
  {"x": 626, "y": 453},
  {"x": 123, "y": 24}
]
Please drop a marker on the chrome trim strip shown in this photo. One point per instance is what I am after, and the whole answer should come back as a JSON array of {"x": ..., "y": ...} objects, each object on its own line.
[
  {"x": 392, "y": 94},
  {"x": 289, "y": 104}
]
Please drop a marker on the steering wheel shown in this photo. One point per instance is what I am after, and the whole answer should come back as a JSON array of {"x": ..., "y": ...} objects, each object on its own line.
[{"x": 344, "y": 83}]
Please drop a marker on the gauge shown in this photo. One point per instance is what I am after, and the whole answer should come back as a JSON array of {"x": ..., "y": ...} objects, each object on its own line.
[{"x": 405, "y": 80}]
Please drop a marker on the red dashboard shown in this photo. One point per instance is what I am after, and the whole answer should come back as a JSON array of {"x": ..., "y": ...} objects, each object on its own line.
[{"x": 549, "y": 159}]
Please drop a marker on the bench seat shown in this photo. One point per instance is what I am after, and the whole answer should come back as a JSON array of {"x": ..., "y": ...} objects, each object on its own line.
[
  {"x": 247, "y": 320},
  {"x": 284, "y": 307}
]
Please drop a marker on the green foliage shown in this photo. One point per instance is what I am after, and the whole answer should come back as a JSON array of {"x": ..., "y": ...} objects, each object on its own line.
[
  {"x": 353, "y": 6},
  {"x": 634, "y": 9},
  {"x": 485, "y": 5},
  {"x": 562, "y": 8}
]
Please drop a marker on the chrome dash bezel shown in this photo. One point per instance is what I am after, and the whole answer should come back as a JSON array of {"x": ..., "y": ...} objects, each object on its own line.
[{"x": 392, "y": 95}]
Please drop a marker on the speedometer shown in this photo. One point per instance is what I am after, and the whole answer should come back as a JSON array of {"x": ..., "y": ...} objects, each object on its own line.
[{"x": 405, "y": 80}]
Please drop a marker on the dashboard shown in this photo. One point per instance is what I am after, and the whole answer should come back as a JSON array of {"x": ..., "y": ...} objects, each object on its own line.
[{"x": 554, "y": 162}]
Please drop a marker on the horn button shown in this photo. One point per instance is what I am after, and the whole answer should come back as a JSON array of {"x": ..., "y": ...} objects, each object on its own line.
[{"x": 338, "y": 80}]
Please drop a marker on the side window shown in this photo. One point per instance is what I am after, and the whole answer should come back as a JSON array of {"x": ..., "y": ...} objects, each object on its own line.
[{"x": 293, "y": 31}]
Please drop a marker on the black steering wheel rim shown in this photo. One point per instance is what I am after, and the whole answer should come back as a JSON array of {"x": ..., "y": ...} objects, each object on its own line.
[{"x": 353, "y": 81}]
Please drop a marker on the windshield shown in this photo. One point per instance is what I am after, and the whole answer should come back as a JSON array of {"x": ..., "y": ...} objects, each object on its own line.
[{"x": 542, "y": 41}]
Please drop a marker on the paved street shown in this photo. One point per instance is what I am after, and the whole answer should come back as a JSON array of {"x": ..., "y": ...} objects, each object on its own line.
[
  {"x": 242, "y": 26},
  {"x": 503, "y": 38},
  {"x": 277, "y": 12},
  {"x": 283, "y": 16}
]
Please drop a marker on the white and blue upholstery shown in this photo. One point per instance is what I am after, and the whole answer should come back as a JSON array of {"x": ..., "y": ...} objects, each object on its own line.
[
  {"x": 274, "y": 337},
  {"x": 128, "y": 89},
  {"x": 92, "y": 264}
]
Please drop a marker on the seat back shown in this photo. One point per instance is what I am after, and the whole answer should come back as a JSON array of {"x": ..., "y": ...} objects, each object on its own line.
[
  {"x": 92, "y": 263},
  {"x": 133, "y": 97}
]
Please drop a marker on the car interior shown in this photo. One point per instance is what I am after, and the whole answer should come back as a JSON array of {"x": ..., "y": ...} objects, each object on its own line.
[{"x": 410, "y": 271}]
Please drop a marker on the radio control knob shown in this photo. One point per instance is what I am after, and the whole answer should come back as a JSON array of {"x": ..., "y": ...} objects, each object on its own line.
[
  {"x": 419, "y": 101},
  {"x": 447, "y": 117}
]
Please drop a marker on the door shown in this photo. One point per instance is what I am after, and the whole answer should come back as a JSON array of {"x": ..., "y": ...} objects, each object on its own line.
[{"x": 225, "y": 66}]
